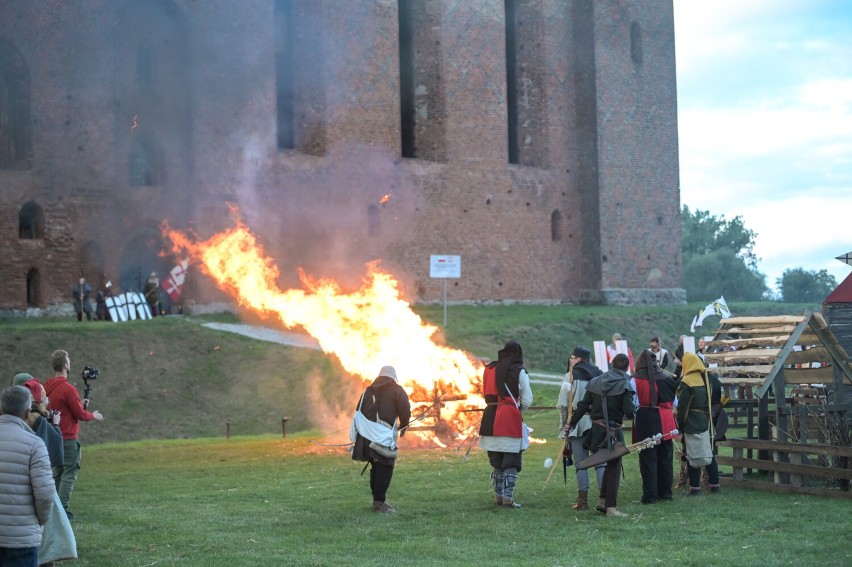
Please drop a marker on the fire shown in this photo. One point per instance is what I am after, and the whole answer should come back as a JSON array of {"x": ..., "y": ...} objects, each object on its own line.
[
  {"x": 134, "y": 123},
  {"x": 365, "y": 329},
  {"x": 384, "y": 200}
]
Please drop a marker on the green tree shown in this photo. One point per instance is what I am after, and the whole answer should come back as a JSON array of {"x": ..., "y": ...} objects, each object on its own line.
[
  {"x": 719, "y": 259},
  {"x": 722, "y": 272},
  {"x": 798, "y": 285}
]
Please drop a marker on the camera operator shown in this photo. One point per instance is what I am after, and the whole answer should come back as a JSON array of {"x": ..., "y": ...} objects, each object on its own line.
[{"x": 65, "y": 398}]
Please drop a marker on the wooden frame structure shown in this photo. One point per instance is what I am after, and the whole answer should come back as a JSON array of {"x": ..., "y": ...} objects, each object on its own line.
[{"x": 771, "y": 352}]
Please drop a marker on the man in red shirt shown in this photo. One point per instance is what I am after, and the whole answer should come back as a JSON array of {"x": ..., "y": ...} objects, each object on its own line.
[{"x": 64, "y": 398}]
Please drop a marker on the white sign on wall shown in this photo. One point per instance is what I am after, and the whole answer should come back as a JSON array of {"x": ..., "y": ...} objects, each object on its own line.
[{"x": 443, "y": 266}]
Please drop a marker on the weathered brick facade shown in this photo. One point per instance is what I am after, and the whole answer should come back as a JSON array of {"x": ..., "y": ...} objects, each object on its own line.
[{"x": 117, "y": 115}]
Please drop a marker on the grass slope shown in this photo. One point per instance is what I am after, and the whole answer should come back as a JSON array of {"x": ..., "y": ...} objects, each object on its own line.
[{"x": 172, "y": 378}]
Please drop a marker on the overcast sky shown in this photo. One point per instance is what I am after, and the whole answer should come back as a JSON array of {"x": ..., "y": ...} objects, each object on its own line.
[{"x": 765, "y": 123}]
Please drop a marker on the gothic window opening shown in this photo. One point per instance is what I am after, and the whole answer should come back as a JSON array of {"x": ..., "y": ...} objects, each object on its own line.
[
  {"x": 145, "y": 170},
  {"x": 556, "y": 226},
  {"x": 512, "y": 79},
  {"x": 33, "y": 288},
  {"x": 636, "y": 42},
  {"x": 284, "y": 71},
  {"x": 15, "y": 127},
  {"x": 372, "y": 220},
  {"x": 526, "y": 97},
  {"x": 31, "y": 222},
  {"x": 421, "y": 95}
]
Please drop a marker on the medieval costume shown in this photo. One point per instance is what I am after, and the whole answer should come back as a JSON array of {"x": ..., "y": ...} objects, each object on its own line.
[
  {"x": 383, "y": 410},
  {"x": 582, "y": 373},
  {"x": 81, "y": 292},
  {"x": 655, "y": 391},
  {"x": 502, "y": 433},
  {"x": 694, "y": 400},
  {"x": 608, "y": 401}
]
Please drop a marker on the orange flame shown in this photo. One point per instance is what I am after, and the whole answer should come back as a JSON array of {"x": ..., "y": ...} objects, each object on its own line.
[
  {"x": 365, "y": 329},
  {"x": 384, "y": 200}
]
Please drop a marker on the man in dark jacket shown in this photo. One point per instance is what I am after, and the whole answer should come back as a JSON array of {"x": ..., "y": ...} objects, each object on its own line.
[
  {"x": 383, "y": 403},
  {"x": 609, "y": 400}
]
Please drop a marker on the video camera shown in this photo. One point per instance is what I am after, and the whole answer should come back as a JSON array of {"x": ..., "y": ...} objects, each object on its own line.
[{"x": 89, "y": 373}]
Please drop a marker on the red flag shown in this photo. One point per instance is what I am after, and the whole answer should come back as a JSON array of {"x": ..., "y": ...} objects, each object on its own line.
[{"x": 174, "y": 283}]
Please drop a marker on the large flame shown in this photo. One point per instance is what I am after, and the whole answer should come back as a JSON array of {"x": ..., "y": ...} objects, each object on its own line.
[{"x": 365, "y": 329}]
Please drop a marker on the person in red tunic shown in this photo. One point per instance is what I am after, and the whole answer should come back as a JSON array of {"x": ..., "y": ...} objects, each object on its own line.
[
  {"x": 502, "y": 433},
  {"x": 655, "y": 390}
]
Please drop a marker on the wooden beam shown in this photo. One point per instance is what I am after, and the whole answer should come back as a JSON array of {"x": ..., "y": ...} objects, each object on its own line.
[
  {"x": 804, "y": 448},
  {"x": 753, "y": 370},
  {"x": 740, "y": 381},
  {"x": 785, "y": 488},
  {"x": 744, "y": 356},
  {"x": 757, "y": 330},
  {"x": 809, "y": 470},
  {"x": 816, "y": 354},
  {"x": 824, "y": 375},
  {"x": 767, "y": 321}
]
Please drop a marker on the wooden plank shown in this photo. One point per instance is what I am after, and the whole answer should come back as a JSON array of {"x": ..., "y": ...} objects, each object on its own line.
[
  {"x": 808, "y": 339},
  {"x": 755, "y": 370},
  {"x": 811, "y": 470},
  {"x": 816, "y": 354},
  {"x": 744, "y": 356},
  {"x": 807, "y": 448},
  {"x": 809, "y": 375},
  {"x": 741, "y": 381},
  {"x": 820, "y": 320},
  {"x": 765, "y": 321},
  {"x": 758, "y": 330},
  {"x": 785, "y": 488}
]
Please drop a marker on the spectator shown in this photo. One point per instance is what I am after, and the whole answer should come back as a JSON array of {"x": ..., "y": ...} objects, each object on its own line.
[
  {"x": 26, "y": 490},
  {"x": 65, "y": 398},
  {"x": 693, "y": 419},
  {"x": 57, "y": 540}
]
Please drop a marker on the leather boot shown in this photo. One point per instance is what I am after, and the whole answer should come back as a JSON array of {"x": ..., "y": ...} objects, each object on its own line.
[
  {"x": 582, "y": 500},
  {"x": 612, "y": 512},
  {"x": 601, "y": 505},
  {"x": 382, "y": 507},
  {"x": 498, "y": 500},
  {"x": 510, "y": 503}
]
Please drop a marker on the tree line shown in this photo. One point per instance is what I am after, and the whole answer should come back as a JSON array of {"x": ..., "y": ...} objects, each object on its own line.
[{"x": 719, "y": 259}]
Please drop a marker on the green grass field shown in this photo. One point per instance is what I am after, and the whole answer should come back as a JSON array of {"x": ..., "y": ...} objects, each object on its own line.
[{"x": 160, "y": 485}]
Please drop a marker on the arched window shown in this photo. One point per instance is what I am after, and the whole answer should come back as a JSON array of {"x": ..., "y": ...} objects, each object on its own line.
[
  {"x": 556, "y": 226},
  {"x": 144, "y": 164},
  {"x": 636, "y": 42},
  {"x": 30, "y": 222},
  {"x": 15, "y": 134},
  {"x": 373, "y": 220},
  {"x": 33, "y": 288}
]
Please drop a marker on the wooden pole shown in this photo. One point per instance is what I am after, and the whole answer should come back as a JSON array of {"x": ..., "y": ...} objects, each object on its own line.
[
  {"x": 228, "y": 429},
  {"x": 284, "y": 426}
]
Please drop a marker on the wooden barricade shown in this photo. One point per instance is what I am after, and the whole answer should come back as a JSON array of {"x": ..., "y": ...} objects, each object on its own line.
[{"x": 791, "y": 465}]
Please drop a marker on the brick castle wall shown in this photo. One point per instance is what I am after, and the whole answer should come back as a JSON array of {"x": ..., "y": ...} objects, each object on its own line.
[{"x": 168, "y": 110}]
